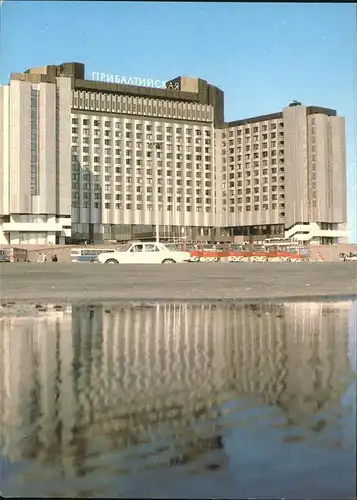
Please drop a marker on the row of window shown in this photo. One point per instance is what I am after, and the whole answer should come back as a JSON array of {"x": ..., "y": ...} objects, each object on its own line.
[
  {"x": 181, "y": 199},
  {"x": 237, "y": 141},
  {"x": 149, "y": 154},
  {"x": 130, "y": 206},
  {"x": 256, "y": 164},
  {"x": 148, "y": 164},
  {"x": 129, "y": 179},
  {"x": 178, "y": 208},
  {"x": 107, "y": 137},
  {"x": 255, "y": 208},
  {"x": 247, "y": 175},
  {"x": 257, "y": 182},
  {"x": 237, "y": 172},
  {"x": 258, "y": 198},
  {"x": 139, "y": 207},
  {"x": 167, "y": 200},
  {"x": 139, "y": 172},
  {"x": 248, "y": 156},
  {"x": 254, "y": 128},
  {"x": 149, "y": 189},
  {"x": 139, "y": 146},
  {"x": 140, "y": 127},
  {"x": 139, "y": 189},
  {"x": 111, "y": 103},
  {"x": 257, "y": 189},
  {"x": 256, "y": 147},
  {"x": 128, "y": 187}
]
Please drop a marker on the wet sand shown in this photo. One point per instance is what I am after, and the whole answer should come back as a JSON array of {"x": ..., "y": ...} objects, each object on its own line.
[{"x": 83, "y": 283}]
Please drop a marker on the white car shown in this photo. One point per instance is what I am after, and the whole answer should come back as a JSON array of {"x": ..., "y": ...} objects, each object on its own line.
[{"x": 143, "y": 253}]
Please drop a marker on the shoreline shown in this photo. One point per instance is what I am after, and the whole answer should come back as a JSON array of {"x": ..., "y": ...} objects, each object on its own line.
[
  {"x": 40, "y": 308},
  {"x": 144, "y": 302}
]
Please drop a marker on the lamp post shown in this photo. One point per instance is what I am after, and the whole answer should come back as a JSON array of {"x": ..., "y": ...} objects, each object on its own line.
[{"x": 156, "y": 145}]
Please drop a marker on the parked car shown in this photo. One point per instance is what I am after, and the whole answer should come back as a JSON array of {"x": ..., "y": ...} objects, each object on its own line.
[{"x": 143, "y": 253}]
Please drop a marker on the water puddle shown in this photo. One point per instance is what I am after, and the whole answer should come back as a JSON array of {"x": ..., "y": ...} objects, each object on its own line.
[{"x": 184, "y": 400}]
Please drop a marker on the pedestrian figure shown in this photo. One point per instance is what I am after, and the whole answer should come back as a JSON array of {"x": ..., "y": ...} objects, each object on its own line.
[{"x": 54, "y": 258}]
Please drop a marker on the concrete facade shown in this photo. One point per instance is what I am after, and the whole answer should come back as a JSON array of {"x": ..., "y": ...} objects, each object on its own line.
[
  {"x": 94, "y": 161},
  {"x": 35, "y": 167},
  {"x": 289, "y": 170},
  {"x": 315, "y": 167}
]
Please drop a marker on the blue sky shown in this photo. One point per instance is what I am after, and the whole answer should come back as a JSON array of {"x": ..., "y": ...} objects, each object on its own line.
[{"x": 262, "y": 55}]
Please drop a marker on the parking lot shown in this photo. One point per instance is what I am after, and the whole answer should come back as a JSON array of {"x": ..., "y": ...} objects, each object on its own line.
[{"x": 90, "y": 282}]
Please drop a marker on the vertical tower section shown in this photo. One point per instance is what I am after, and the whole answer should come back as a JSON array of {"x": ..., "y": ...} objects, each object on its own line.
[
  {"x": 296, "y": 165},
  {"x": 63, "y": 146},
  {"x": 4, "y": 150},
  {"x": 20, "y": 147}
]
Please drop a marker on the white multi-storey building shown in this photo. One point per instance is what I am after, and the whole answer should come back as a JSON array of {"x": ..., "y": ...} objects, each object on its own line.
[
  {"x": 126, "y": 171},
  {"x": 95, "y": 161}
]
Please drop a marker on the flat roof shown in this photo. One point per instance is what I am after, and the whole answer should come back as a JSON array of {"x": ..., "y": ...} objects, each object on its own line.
[
  {"x": 135, "y": 90},
  {"x": 207, "y": 94},
  {"x": 310, "y": 110},
  {"x": 255, "y": 119}
]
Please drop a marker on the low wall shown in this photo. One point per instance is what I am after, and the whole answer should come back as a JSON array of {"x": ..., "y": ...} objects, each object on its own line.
[
  {"x": 316, "y": 253},
  {"x": 62, "y": 251},
  {"x": 330, "y": 253}
]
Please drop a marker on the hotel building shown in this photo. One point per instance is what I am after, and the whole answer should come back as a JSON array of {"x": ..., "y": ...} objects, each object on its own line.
[{"x": 97, "y": 161}]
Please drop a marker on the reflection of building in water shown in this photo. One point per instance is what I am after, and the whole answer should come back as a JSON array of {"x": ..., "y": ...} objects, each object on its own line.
[
  {"x": 126, "y": 373},
  {"x": 352, "y": 338},
  {"x": 30, "y": 356},
  {"x": 309, "y": 345}
]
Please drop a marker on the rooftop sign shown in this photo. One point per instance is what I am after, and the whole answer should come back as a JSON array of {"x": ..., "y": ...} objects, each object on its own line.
[{"x": 135, "y": 80}]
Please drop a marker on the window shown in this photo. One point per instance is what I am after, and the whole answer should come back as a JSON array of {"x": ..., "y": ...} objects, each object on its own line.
[{"x": 149, "y": 247}]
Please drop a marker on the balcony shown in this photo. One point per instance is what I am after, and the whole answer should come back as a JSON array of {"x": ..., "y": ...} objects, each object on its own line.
[{"x": 313, "y": 231}]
